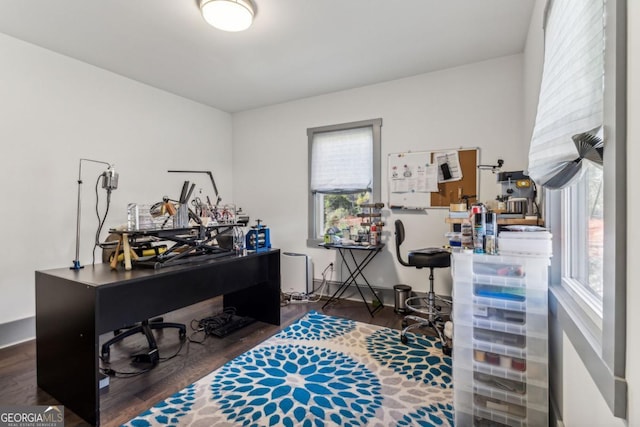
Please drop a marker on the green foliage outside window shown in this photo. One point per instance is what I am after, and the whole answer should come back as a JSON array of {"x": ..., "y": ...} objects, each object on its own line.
[{"x": 341, "y": 210}]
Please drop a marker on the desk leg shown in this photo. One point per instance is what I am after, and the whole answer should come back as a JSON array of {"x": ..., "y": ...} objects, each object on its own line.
[
  {"x": 67, "y": 345},
  {"x": 261, "y": 301}
]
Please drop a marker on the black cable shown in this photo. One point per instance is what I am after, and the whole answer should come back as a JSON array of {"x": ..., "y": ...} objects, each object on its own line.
[
  {"x": 102, "y": 220},
  {"x": 129, "y": 374},
  {"x": 209, "y": 324},
  {"x": 164, "y": 359},
  {"x": 123, "y": 374},
  {"x": 535, "y": 200}
]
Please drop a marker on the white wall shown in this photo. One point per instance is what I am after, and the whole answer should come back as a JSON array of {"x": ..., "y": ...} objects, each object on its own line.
[
  {"x": 577, "y": 386},
  {"x": 633, "y": 207},
  {"x": 56, "y": 110},
  {"x": 532, "y": 72},
  {"x": 475, "y": 105}
]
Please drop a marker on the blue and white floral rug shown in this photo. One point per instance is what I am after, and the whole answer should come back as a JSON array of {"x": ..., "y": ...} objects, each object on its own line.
[{"x": 320, "y": 371}]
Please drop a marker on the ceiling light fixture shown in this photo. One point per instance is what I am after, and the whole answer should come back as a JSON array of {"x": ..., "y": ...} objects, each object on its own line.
[{"x": 228, "y": 15}]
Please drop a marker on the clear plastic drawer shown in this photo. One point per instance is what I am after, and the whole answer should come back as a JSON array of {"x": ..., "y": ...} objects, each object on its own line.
[
  {"x": 531, "y": 371},
  {"x": 473, "y": 409},
  {"x": 500, "y": 319},
  {"x": 503, "y": 344},
  {"x": 502, "y": 270}
]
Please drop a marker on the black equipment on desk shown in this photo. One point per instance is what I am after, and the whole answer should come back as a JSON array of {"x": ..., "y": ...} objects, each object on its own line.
[
  {"x": 258, "y": 238},
  {"x": 190, "y": 244},
  {"x": 519, "y": 194}
]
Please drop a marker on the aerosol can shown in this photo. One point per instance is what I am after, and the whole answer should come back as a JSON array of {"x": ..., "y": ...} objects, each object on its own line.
[{"x": 374, "y": 235}]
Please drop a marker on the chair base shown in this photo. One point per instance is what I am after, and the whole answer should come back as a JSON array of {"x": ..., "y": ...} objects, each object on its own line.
[
  {"x": 152, "y": 356},
  {"x": 434, "y": 317},
  {"x": 431, "y": 305}
]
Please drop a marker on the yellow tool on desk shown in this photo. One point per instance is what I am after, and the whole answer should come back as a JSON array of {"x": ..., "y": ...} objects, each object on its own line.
[
  {"x": 114, "y": 259},
  {"x": 127, "y": 254},
  {"x": 127, "y": 251},
  {"x": 146, "y": 252}
]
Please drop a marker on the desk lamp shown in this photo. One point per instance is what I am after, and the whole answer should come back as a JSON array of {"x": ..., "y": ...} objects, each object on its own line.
[
  {"x": 109, "y": 183},
  {"x": 213, "y": 183}
]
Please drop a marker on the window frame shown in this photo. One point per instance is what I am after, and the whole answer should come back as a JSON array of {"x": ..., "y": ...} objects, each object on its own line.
[
  {"x": 602, "y": 349},
  {"x": 573, "y": 196},
  {"x": 313, "y": 210}
]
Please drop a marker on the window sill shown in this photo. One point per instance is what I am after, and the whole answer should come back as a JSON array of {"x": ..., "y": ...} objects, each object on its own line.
[{"x": 580, "y": 330}]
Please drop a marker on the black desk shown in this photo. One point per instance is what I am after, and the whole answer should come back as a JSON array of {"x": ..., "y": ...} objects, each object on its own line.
[
  {"x": 74, "y": 307},
  {"x": 355, "y": 267}
]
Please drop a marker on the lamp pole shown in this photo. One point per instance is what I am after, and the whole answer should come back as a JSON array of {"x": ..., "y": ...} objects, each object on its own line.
[{"x": 76, "y": 262}]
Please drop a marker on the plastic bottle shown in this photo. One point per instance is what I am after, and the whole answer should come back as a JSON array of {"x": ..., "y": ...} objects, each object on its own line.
[
  {"x": 132, "y": 216},
  {"x": 239, "y": 241},
  {"x": 466, "y": 238},
  {"x": 478, "y": 233},
  {"x": 491, "y": 230}
]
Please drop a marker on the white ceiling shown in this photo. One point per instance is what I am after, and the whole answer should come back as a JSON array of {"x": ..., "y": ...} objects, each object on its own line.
[{"x": 295, "y": 48}]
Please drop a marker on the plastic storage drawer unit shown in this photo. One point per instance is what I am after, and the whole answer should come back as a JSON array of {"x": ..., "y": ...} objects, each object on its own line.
[{"x": 500, "y": 340}]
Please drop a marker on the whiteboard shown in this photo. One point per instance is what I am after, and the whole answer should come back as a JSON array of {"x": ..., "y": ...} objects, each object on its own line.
[
  {"x": 416, "y": 179},
  {"x": 412, "y": 179}
]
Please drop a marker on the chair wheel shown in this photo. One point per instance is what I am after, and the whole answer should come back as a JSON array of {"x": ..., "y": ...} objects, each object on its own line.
[
  {"x": 106, "y": 354},
  {"x": 404, "y": 339},
  {"x": 446, "y": 350},
  {"x": 182, "y": 334}
]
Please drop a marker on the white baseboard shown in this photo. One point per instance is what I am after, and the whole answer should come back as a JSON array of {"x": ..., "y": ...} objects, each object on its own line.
[
  {"x": 17, "y": 331},
  {"x": 386, "y": 295}
]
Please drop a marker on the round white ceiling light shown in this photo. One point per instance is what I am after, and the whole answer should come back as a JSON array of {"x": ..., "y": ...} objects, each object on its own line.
[{"x": 228, "y": 15}]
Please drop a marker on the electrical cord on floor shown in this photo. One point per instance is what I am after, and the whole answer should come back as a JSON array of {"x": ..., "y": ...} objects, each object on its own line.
[
  {"x": 123, "y": 374},
  {"x": 164, "y": 359},
  {"x": 207, "y": 325},
  {"x": 129, "y": 374},
  {"x": 323, "y": 285},
  {"x": 287, "y": 298}
]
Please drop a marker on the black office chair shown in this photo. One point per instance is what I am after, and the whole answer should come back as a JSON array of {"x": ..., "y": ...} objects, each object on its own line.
[
  {"x": 433, "y": 306},
  {"x": 145, "y": 327}
]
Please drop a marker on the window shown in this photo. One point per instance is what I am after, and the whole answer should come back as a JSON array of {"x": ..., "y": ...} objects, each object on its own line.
[
  {"x": 583, "y": 231},
  {"x": 344, "y": 172},
  {"x": 587, "y": 217}
]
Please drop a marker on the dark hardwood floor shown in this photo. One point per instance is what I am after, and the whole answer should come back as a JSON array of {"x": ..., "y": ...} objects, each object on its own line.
[{"x": 127, "y": 397}]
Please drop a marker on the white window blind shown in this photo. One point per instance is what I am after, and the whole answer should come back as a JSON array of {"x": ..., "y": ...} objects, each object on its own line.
[
  {"x": 342, "y": 161},
  {"x": 571, "y": 92}
]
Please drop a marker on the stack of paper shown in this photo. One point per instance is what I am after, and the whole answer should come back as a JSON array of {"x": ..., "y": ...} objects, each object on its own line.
[{"x": 525, "y": 240}]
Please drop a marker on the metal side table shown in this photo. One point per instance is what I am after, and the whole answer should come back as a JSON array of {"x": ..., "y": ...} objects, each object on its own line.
[{"x": 355, "y": 266}]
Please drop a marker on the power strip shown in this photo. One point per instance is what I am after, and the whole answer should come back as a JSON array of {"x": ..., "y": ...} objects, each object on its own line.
[{"x": 299, "y": 298}]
